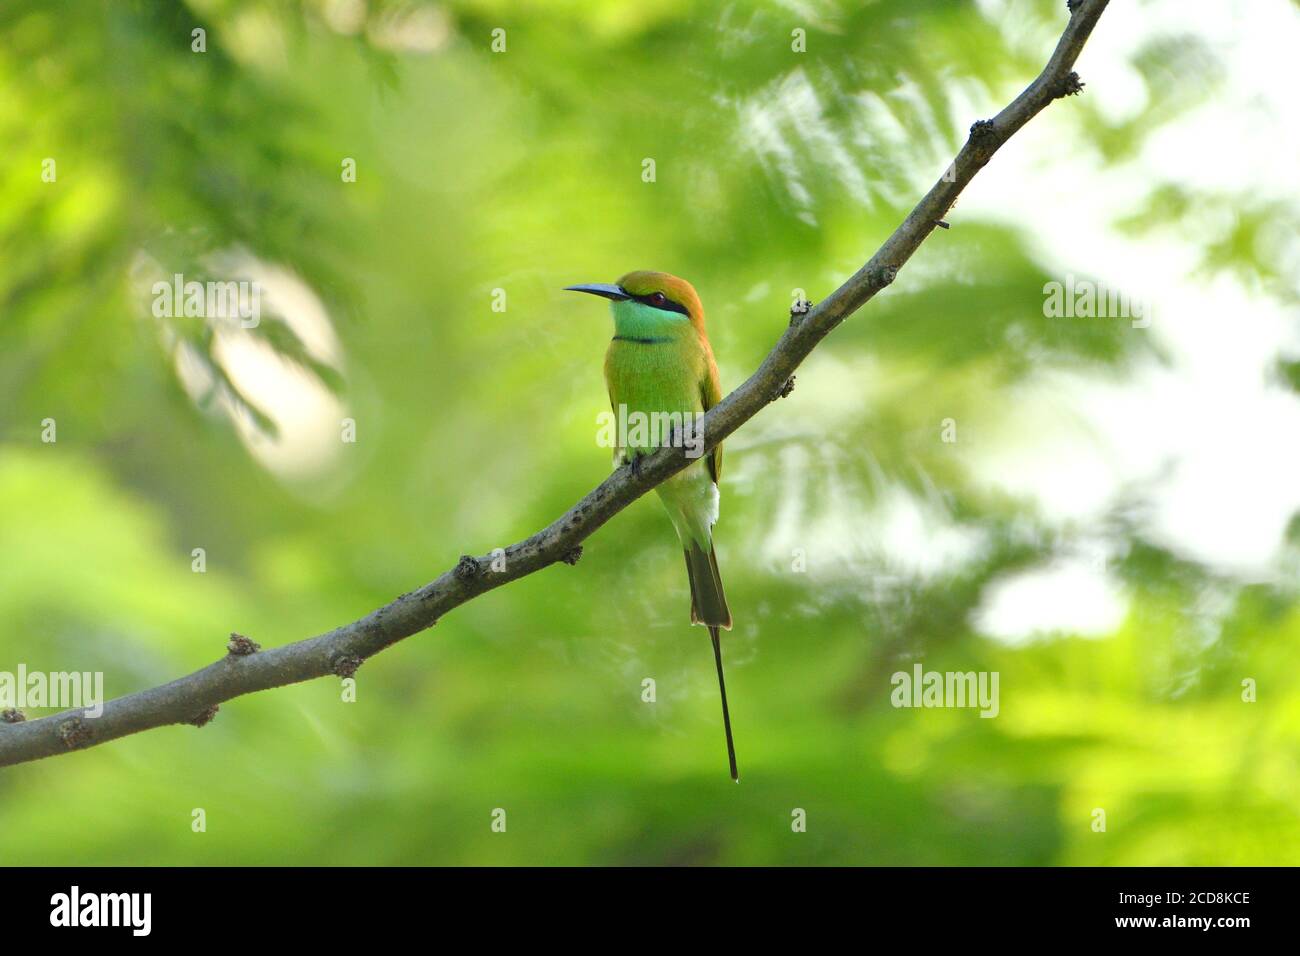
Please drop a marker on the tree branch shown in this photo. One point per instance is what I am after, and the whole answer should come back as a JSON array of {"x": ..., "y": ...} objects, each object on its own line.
[{"x": 194, "y": 699}]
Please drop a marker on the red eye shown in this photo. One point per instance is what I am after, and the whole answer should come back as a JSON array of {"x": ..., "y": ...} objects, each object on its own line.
[{"x": 658, "y": 298}]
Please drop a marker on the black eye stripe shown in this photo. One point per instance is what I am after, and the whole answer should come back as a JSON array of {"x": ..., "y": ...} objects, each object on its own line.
[{"x": 668, "y": 305}]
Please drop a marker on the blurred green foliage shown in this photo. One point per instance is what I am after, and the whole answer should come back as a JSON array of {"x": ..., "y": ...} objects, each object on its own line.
[{"x": 522, "y": 171}]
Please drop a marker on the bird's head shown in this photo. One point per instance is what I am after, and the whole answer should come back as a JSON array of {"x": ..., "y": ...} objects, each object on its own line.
[{"x": 650, "y": 298}]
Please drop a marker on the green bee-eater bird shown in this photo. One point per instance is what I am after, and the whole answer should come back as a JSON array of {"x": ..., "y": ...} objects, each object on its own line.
[{"x": 660, "y": 361}]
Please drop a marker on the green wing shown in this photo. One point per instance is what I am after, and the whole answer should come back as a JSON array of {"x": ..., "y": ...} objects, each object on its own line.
[{"x": 710, "y": 395}]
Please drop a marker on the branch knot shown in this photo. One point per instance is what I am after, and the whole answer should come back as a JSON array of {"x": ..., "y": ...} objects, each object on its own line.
[
  {"x": 346, "y": 665},
  {"x": 467, "y": 568},
  {"x": 984, "y": 133},
  {"x": 571, "y": 556},
  {"x": 800, "y": 308},
  {"x": 240, "y": 646},
  {"x": 1070, "y": 85},
  {"x": 787, "y": 388},
  {"x": 75, "y": 734},
  {"x": 204, "y": 717},
  {"x": 12, "y": 716}
]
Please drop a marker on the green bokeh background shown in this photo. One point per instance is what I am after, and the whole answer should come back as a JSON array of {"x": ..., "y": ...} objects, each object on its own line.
[{"x": 522, "y": 171}]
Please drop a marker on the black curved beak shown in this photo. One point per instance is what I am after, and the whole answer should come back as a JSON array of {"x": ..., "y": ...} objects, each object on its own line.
[{"x": 597, "y": 288}]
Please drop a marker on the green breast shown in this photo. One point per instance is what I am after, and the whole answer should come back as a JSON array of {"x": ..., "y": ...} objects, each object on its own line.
[{"x": 654, "y": 364}]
